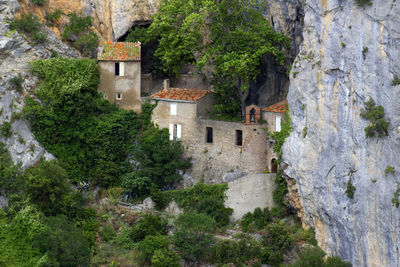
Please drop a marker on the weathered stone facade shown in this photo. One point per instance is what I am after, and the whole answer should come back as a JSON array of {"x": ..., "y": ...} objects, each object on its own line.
[
  {"x": 217, "y": 148},
  {"x": 120, "y": 76}
]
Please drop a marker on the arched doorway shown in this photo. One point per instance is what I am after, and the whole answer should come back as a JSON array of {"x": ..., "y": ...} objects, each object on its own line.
[{"x": 274, "y": 166}]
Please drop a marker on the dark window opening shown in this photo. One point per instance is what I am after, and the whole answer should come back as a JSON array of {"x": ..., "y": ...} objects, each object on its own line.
[
  {"x": 209, "y": 135},
  {"x": 274, "y": 166},
  {"x": 116, "y": 69},
  {"x": 119, "y": 96},
  {"x": 239, "y": 138},
  {"x": 252, "y": 115}
]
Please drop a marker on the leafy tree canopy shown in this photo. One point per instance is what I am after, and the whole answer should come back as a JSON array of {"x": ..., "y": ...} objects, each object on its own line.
[{"x": 233, "y": 36}]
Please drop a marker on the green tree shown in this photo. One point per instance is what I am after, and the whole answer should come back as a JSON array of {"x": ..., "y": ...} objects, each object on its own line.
[
  {"x": 159, "y": 158},
  {"x": 191, "y": 236},
  {"x": 63, "y": 242},
  {"x": 150, "y": 245},
  {"x": 233, "y": 36},
  {"x": 46, "y": 186}
]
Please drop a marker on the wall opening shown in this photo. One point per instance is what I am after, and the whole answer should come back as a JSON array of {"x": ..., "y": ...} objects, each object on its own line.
[
  {"x": 118, "y": 96},
  {"x": 274, "y": 166},
  {"x": 209, "y": 135},
  {"x": 239, "y": 137},
  {"x": 116, "y": 71}
]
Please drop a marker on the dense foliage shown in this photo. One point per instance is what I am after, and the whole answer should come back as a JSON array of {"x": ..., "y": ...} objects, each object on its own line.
[
  {"x": 231, "y": 35},
  {"x": 202, "y": 198},
  {"x": 79, "y": 33},
  {"x": 375, "y": 115},
  {"x": 30, "y": 25},
  {"x": 279, "y": 138},
  {"x": 16, "y": 82}
]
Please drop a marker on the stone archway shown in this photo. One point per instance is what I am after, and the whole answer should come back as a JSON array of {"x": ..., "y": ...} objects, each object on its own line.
[{"x": 274, "y": 166}]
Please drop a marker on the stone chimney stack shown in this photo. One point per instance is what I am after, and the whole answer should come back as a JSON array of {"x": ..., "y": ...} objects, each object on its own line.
[{"x": 166, "y": 84}]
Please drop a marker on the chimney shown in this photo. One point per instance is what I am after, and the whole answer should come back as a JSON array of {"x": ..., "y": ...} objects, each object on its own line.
[{"x": 166, "y": 84}]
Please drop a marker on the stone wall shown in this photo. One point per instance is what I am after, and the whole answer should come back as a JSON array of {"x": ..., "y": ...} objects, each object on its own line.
[{"x": 128, "y": 85}]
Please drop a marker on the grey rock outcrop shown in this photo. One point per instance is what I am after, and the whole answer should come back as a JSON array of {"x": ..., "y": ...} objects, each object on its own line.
[
  {"x": 348, "y": 55},
  {"x": 15, "y": 54}
]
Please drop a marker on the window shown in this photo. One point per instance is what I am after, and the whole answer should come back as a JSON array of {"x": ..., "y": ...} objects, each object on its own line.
[
  {"x": 278, "y": 123},
  {"x": 119, "y": 69},
  {"x": 209, "y": 135},
  {"x": 118, "y": 96},
  {"x": 239, "y": 138},
  {"x": 173, "y": 109},
  {"x": 175, "y": 132}
]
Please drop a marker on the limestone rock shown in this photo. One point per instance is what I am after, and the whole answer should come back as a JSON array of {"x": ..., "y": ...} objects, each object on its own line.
[
  {"x": 173, "y": 209},
  {"x": 330, "y": 81},
  {"x": 149, "y": 204},
  {"x": 15, "y": 54}
]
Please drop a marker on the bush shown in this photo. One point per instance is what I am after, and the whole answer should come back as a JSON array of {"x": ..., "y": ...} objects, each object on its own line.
[
  {"x": 30, "y": 25},
  {"x": 259, "y": 219},
  {"x": 53, "y": 17},
  {"x": 107, "y": 233},
  {"x": 362, "y": 3},
  {"x": 389, "y": 169},
  {"x": 114, "y": 194},
  {"x": 46, "y": 185},
  {"x": 38, "y": 2},
  {"x": 375, "y": 115},
  {"x": 350, "y": 189},
  {"x": 191, "y": 236},
  {"x": 396, "y": 80},
  {"x": 165, "y": 258},
  {"x": 6, "y": 129},
  {"x": 395, "y": 199},
  {"x": 314, "y": 257},
  {"x": 149, "y": 225},
  {"x": 10, "y": 177},
  {"x": 151, "y": 244},
  {"x": 16, "y": 83},
  {"x": 159, "y": 158},
  {"x": 63, "y": 242},
  {"x": 88, "y": 44},
  {"x": 202, "y": 198},
  {"x": 136, "y": 186},
  {"x": 277, "y": 242}
]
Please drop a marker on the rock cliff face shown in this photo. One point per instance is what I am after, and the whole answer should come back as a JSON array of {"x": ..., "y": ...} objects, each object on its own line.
[
  {"x": 111, "y": 18},
  {"x": 15, "y": 54},
  {"x": 348, "y": 55}
]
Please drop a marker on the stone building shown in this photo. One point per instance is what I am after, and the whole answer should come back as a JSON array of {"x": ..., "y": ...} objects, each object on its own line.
[
  {"x": 220, "y": 150},
  {"x": 119, "y": 65}
]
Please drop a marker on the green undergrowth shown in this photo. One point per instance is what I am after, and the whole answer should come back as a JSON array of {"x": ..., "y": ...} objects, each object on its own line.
[
  {"x": 202, "y": 198},
  {"x": 375, "y": 115},
  {"x": 279, "y": 138},
  {"x": 30, "y": 25}
]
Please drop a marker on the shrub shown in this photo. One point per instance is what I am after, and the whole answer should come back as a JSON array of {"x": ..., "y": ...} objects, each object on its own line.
[
  {"x": 6, "y": 129},
  {"x": 165, "y": 258},
  {"x": 46, "y": 185},
  {"x": 136, "y": 186},
  {"x": 16, "y": 83},
  {"x": 314, "y": 257},
  {"x": 364, "y": 52},
  {"x": 30, "y": 25},
  {"x": 191, "y": 236},
  {"x": 10, "y": 177},
  {"x": 396, "y": 80},
  {"x": 78, "y": 23},
  {"x": 375, "y": 115},
  {"x": 53, "y": 17},
  {"x": 395, "y": 199},
  {"x": 277, "y": 242},
  {"x": 107, "y": 233},
  {"x": 202, "y": 198},
  {"x": 350, "y": 189},
  {"x": 389, "y": 169},
  {"x": 114, "y": 194},
  {"x": 63, "y": 242},
  {"x": 38, "y": 2},
  {"x": 149, "y": 245},
  {"x": 149, "y": 225},
  {"x": 259, "y": 219},
  {"x": 88, "y": 44},
  {"x": 362, "y": 3}
]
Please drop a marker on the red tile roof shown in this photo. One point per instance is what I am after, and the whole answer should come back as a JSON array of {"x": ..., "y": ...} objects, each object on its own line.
[
  {"x": 280, "y": 107},
  {"x": 181, "y": 94},
  {"x": 119, "y": 51}
]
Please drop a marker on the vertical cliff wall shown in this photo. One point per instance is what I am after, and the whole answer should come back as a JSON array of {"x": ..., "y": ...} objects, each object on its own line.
[{"x": 348, "y": 55}]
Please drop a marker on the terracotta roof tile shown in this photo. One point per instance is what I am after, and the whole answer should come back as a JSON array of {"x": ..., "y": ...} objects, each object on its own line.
[
  {"x": 280, "y": 107},
  {"x": 181, "y": 94},
  {"x": 120, "y": 51}
]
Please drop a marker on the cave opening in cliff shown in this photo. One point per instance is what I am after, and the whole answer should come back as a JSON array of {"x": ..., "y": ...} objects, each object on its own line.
[{"x": 148, "y": 60}]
